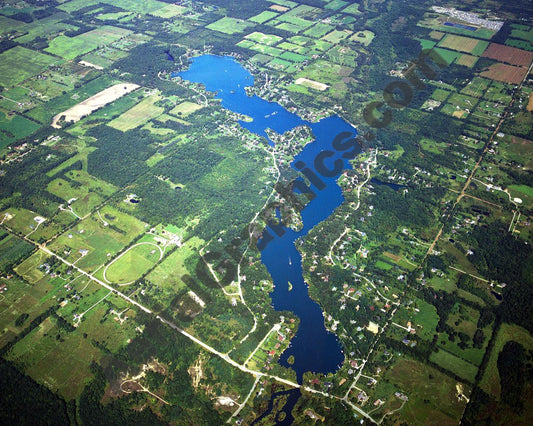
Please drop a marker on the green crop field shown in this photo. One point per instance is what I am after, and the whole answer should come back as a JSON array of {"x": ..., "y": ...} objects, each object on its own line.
[
  {"x": 13, "y": 249},
  {"x": 293, "y": 48},
  {"x": 27, "y": 63}
]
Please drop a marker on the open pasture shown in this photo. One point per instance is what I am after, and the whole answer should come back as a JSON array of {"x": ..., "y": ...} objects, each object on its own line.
[
  {"x": 336, "y": 4},
  {"x": 26, "y": 62},
  {"x": 336, "y": 36},
  {"x": 319, "y": 30},
  {"x": 70, "y": 47},
  {"x": 19, "y": 301},
  {"x": 169, "y": 11},
  {"x": 364, "y": 37},
  {"x": 490, "y": 382},
  {"x": 476, "y": 87},
  {"x": 20, "y": 220},
  {"x": 467, "y": 60}
]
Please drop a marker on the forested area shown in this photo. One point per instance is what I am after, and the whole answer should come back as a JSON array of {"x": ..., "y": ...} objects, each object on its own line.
[{"x": 23, "y": 401}]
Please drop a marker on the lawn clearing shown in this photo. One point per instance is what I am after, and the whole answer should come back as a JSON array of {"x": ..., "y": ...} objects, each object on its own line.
[{"x": 432, "y": 394}]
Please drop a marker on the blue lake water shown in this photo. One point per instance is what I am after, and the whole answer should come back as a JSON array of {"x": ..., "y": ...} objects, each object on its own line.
[{"x": 314, "y": 348}]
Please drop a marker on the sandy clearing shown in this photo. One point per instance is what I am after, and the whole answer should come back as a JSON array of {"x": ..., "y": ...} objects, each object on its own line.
[
  {"x": 312, "y": 84},
  {"x": 93, "y": 103}
]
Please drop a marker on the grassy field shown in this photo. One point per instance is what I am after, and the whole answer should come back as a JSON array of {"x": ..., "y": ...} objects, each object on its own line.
[
  {"x": 44, "y": 113},
  {"x": 463, "y": 44},
  {"x": 13, "y": 127},
  {"x": 27, "y": 63},
  {"x": 98, "y": 239},
  {"x": 133, "y": 263},
  {"x": 454, "y": 364},
  {"x": 432, "y": 394},
  {"x": 336, "y": 36},
  {"x": 141, "y": 113},
  {"x": 264, "y": 16},
  {"x": 364, "y": 37},
  {"x": 490, "y": 382},
  {"x": 185, "y": 109},
  {"x": 13, "y": 249},
  {"x": 228, "y": 25},
  {"x": 267, "y": 39},
  {"x": 70, "y": 47}
]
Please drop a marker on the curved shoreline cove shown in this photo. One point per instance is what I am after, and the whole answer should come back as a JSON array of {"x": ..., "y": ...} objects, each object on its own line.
[{"x": 314, "y": 348}]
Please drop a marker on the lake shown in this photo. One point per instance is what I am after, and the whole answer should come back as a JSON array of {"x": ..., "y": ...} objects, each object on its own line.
[{"x": 314, "y": 348}]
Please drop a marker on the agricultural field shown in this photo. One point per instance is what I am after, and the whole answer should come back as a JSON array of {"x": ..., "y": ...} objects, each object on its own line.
[
  {"x": 266, "y": 39},
  {"x": 505, "y": 73},
  {"x": 509, "y": 55},
  {"x": 463, "y": 44},
  {"x": 27, "y": 63},
  {"x": 101, "y": 235},
  {"x": 263, "y": 17},
  {"x": 490, "y": 382},
  {"x": 364, "y": 37},
  {"x": 141, "y": 113},
  {"x": 133, "y": 263},
  {"x": 229, "y": 25},
  {"x": 432, "y": 395},
  {"x": 13, "y": 127}
]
